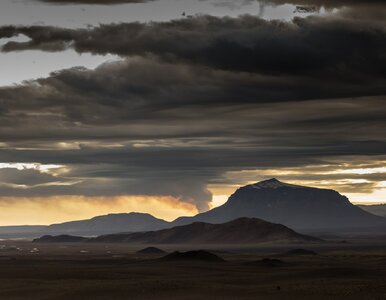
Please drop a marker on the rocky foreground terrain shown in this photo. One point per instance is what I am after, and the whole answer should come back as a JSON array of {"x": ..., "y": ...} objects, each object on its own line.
[{"x": 354, "y": 269}]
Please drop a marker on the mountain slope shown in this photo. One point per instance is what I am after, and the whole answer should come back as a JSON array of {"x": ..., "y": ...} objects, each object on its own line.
[
  {"x": 240, "y": 231},
  {"x": 379, "y": 210},
  {"x": 292, "y": 205},
  {"x": 131, "y": 222}
]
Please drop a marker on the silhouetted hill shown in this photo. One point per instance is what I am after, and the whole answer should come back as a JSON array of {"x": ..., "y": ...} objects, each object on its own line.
[
  {"x": 151, "y": 250},
  {"x": 379, "y": 210},
  {"x": 295, "y": 206},
  {"x": 60, "y": 239},
  {"x": 301, "y": 252},
  {"x": 299, "y": 207},
  {"x": 240, "y": 231},
  {"x": 113, "y": 223},
  {"x": 199, "y": 255}
]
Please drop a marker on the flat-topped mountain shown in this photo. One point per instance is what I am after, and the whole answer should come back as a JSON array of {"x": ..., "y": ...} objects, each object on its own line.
[
  {"x": 295, "y": 206},
  {"x": 113, "y": 223},
  {"x": 298, "y": 207},
  {"x": 240, "y": 231}
]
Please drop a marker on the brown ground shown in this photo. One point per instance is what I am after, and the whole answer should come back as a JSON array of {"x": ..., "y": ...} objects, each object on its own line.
[{"x": 354, "y": 270}]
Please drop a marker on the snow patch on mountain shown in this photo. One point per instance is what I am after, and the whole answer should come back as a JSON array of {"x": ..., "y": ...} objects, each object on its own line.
[{"x": 273, "y": 184}]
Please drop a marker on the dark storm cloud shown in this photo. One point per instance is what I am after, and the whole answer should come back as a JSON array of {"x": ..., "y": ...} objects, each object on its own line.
[
  {"x": 342, "y": 49},
  {"x": 326, "y": 3},
  {"x": 194, "y": 99},
  {"x": 353, "y": 9},
  {"x": 140, "y": 89},
  {"x": 99, "y": 2},
  {"x": 142, "y": 127}
]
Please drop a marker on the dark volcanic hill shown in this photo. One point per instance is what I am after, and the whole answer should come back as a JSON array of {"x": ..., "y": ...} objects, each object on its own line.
[
  {"x": 301, "y": 252},
  {"x": 197, "y": 255},
  {"x": 240, "y": 231},
  {"x": 113, "y": 223},
  {"x": 60, "y": 239},
  {"x": 295, "y": 206},
  {"x": 151, "y": 251}
]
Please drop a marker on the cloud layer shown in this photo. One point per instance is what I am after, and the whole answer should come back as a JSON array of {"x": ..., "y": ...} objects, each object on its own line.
[
  {"x": 194, "y": 100},
  {"x": 99, "y": 2},
  {"x": 341, "y": 50}
]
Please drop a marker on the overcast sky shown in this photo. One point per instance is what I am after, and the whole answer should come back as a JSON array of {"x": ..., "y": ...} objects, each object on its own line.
[
  {"x": 33, "y": 64},
  {"x": 167, "y": 106}
]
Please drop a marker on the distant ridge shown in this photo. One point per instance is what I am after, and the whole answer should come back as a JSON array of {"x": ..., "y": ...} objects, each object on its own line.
[
  {"x": 151, "y": 251},
  {"x": 240, "y": 231},
  {"x": 60, "y": 239},
  {"x": 299, "y": 207},
  {"x": 376, "y": 209},
  {"x": 23, "y": 231},
  {"x": 112, "y": 223}
]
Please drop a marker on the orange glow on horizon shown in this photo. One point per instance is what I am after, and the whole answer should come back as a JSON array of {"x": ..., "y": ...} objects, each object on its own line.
[{"x": 57, "y": 209}]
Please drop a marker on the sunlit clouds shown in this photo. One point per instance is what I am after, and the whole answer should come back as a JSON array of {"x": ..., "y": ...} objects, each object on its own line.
[
  {"x": 56, "y": 209},
  {"x": 30, "y": 166},
  {"x": 169, "y": 106}
]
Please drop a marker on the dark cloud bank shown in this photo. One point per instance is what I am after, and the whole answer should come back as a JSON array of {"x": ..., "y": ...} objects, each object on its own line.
[
  {"x": 326, "y": 3},
  {"x": 348, "y": 50},
  {"x": 99, "y": 2},
  {"x": 193, "y": 99}
]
